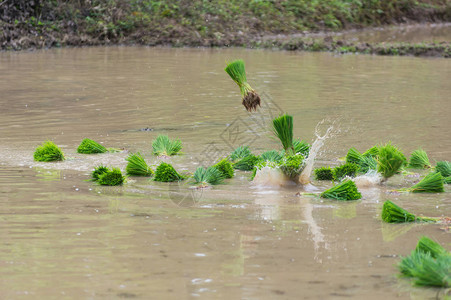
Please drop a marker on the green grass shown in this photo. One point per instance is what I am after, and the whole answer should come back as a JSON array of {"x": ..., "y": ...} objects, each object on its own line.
[
  {"x": 98, "y": 171},
  {"x": 283, "y": 130},
  {"x": 88, "y": 146},
  {"x": 137, "y": 166},
  {"x": 111, "y": 177},
  {"x": 48, "y": 151},
  {"x": 163, "y": 146},
  {"x": 419, "y": 160},
  {"x": 389, "y": 160},
  {"x": 226, "y": 168},
  {"x": 344, "y": 191},
  {"x": 209, "y": 176},
  {"x": 166, "y": 173},
  {"x": 431, "y": 183},
  {"x": 324, "y": 173},
  {"x": 247, "y": 163},
  {"x": 392, "y": 213},
  {"x": 348, "y": 169},
  {"x": 239, "y": 153}
]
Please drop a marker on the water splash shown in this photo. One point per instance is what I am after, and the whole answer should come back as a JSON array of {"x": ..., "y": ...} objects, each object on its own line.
[{"x": 370, "y": 179}]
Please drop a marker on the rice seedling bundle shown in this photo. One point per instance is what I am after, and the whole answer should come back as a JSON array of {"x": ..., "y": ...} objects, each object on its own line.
[
  {"x": 427, "y": 245},
  {"x": 354, "y": 156},
  {"x": 271, "y": 155},
  {"x": 419, "y": 159},
  {"x": 392, "y": 213},
  {"x": 239, "y": 153},
  {"x": 163, "y": 146},
  {"x": 48, "y": 151},
  {"x": 225, "y": 167},
  {"x": 166, "y": 173},
  {"x": 373, "y": 151},
  {"x": 447, "y": 180},
  {"x": 247, "y": 163},
  {"x": 301, "y": 147},
  {"x": 346, "y": 190},
  {"x": 88, "y": 146},
  {"x": 348, "y": 169},
  {"x": 208, "y": 176},
  {"x": 137, "y": 166},
  {"x": 444, "y": 168},
  {"x": 98, "y": 171},
  {"x": 111, "y": 177},
  {"x": 389, "y": 160},
  {"x": 283, "y": 130},
  {"x": 292, "y": 165},
  {"x": 367, "y": 164},
  {"x": 431, "y": 183},
  {"x": 324, "y": 173},
  {"x": 237, "y": 72}
]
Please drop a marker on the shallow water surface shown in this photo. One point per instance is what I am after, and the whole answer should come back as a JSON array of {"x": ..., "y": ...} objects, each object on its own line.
[{"x": 65, "y": 237}]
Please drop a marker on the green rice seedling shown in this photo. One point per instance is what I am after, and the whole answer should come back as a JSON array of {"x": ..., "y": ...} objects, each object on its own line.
[
  {"x": 271, "y": 155},
  {"x": 389, "y": 160},
  {"x": 292, "y": 166},
  {"x": 283, "y": 129},
  {"x": 237, "y": 72},
  {"x": 431, "y": 183},
  {"x": 111, "y": 177},
  {"x": 163, "y": 146},
  {"x": 239, "y": 153},
  {"x": 444, "y": 168},
  {"x": 225, "y": 167},
  {"x": 98, "y": 171},
  {"x": 166, "y": 173},
  {"x": 137, "y": 166},
  {"x": 430, "y": 246},
  {"x": 324, "y": 173},
  {"x": 408, "y": 264},
  {"x": 48, "y": 151},
  {"x": 433, "y": 272},
  {"x": 367, "y": 164},
  {"x": 373, "y": 151},
  {"x": 348, "y": 169},
  {"x": 301, "y": 147},
  {"x": 247, "y": 163},
  {"x": 447, "y": 180},
  {"x": 392, "y": 213},
  {"x": 88, "y": 146},
  {"x": 209, "y": 176},
  {"x": 419, "y": 159},
  {"x": 354, "y": 156},
  {"x": 346, "y": 190}
]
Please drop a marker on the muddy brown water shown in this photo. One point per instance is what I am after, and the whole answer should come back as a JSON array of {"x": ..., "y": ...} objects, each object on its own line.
[{"x": 63, "y": 237}]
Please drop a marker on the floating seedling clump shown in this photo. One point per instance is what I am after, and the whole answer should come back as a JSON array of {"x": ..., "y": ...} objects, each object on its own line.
[
  {"x": 283, "y": 130},
  {"x": 444, "y": 168},
  {"x": 137, "y": 166},
  {"x": 292, "y": 166},
  {"x": 373, "y": 151},
  {"x": 427, "y": 245},
  {"x": 324, "y": 173},
  {"x": 111, "y": 177},
  {"x": 205, "y": 177},
  {"x": 98, "y": 171},
  {"x": 88, "y": 146},
  {"x": 392, "y": 213},
  {"x": 271, "y": 155},
  {"x": 419, "y": 160},
  {"x": 166, "y": 173},
  {"x": 301, "y": 147},
  {"x": 431, "y": 183},
  {"x": 237, "y": 72},
  {"x": 354, "y": 156},
  {"x": 163, "y": 146},
  {"x": 348, "y": 169},
  {"x": 389, "y": 160},
  {"x": 239, "y": 153},
  {"x": 346, "y": 190},
  {"x": 247, "y": 163},
  {"x": 225, "y": 167},
  {"x": 48, "y": 151}
]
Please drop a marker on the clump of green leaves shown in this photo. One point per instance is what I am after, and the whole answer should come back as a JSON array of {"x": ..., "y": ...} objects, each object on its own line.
[
  {"x": 324, "y": 173},
  {"x": 166, "y": 173},
  {"x": 431, "y": 183},
  {"x": 348, "y": 169},
  {"x": 237, "y": 72},
  {"x": 208, "y": 176},
  {"x": 292, "y": 165},
  {"x": 48, "y": 151},
  {"x": 137, "y": 166},
  {"x": 344, "y": 191},
  {"x": 392, "y": 213},
  {"x": 283, "y": 130},
  {"x": 444, "y": 168},
  {"x": 271, "y": 155},
  {"x": 164, "y": 146},
  {"x": 247, "y": 163},
  {"x": 225, "y": 167},
  {"x": 98, "y": 171},
  {"x": 389, "y": 160},
  {"x": 239, "y": 153},
  {"x": 301, "y": 147},
  {"x": 88, "y": 146},
  {"x": 111, "y": 177},
  {"x": 419, "y": 159}
]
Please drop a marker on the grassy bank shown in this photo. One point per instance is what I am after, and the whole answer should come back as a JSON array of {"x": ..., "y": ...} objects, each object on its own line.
[{"x": 54, "y": 23}]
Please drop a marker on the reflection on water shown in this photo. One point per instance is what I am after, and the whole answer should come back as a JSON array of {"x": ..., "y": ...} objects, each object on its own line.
[{"x": 64, "y": 236}]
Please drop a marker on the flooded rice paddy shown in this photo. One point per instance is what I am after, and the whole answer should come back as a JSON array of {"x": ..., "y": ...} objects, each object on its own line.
[{"x": 63, "y": 237}]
